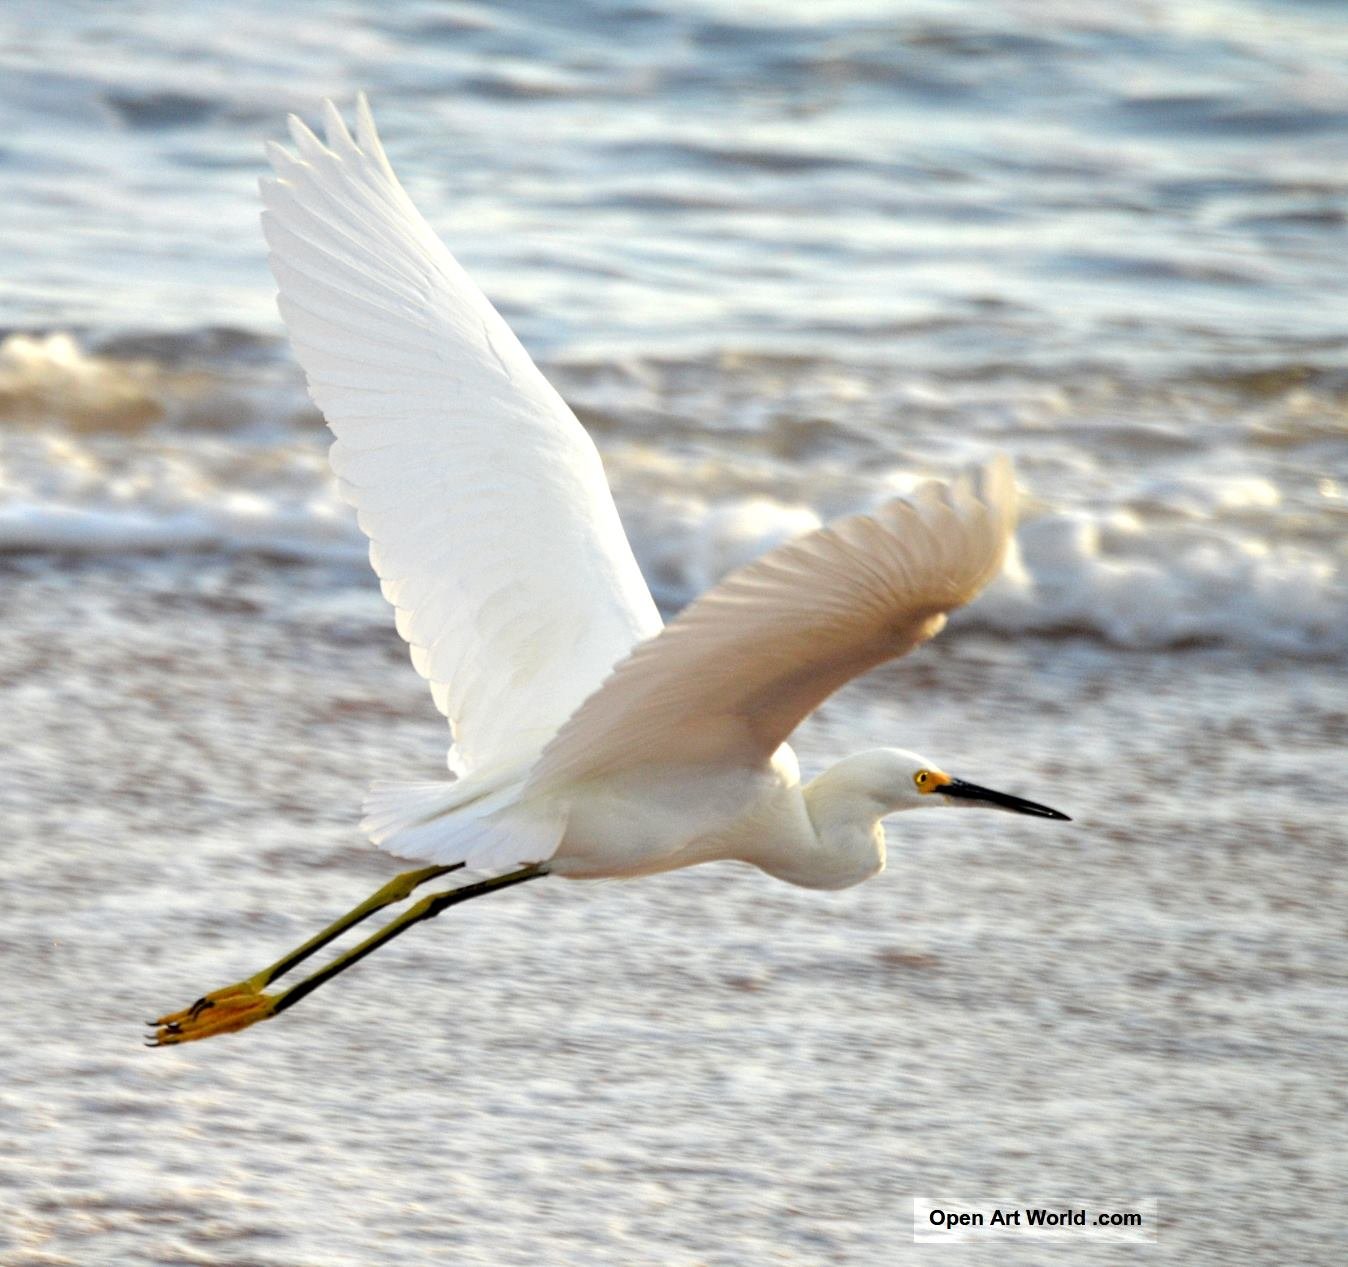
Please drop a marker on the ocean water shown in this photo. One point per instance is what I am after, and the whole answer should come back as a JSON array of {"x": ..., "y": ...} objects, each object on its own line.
[{"x": 784, "y": 260}]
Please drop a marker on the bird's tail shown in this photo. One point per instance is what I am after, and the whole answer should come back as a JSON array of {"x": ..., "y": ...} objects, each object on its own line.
[{"x": 477, "y": 820}]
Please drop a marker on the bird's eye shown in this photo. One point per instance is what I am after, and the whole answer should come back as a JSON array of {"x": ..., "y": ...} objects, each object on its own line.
[{"x": 922, "y": 778}]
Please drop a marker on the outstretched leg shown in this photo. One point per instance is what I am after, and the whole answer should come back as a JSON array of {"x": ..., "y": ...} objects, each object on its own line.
[
  {"x": 244, "y": 992},
  {"x": 238, "y": 1012}
]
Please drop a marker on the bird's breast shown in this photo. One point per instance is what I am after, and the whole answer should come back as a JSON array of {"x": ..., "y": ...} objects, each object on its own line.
[{"x": 652, "y": 820}]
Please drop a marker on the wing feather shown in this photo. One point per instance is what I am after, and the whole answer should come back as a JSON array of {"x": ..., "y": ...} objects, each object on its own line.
[
  {"x": 731, "y": 677},
  {"x": 491, "y": 525}
]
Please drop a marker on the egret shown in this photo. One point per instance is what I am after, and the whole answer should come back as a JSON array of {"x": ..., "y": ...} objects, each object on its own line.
[{"x": 588, "y": 739}]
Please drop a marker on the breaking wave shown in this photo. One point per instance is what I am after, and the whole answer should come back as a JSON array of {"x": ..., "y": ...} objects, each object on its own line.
[{"x": 131, "y": 455}]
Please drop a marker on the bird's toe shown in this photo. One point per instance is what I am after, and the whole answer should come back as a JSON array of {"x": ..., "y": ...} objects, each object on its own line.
[{"x": 220, "y": 1012}]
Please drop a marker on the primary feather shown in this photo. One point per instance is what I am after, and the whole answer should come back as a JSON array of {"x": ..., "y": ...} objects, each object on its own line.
[
  {"x": 731, "y": 677},
  {"x": 491, "y": 524},
  {"x": 495, "y": 537}
]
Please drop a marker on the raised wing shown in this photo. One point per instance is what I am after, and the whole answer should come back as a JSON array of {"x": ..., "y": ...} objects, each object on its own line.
[
  {"x": 491, "y": 524},
  {"x": 734, "y": 674}
]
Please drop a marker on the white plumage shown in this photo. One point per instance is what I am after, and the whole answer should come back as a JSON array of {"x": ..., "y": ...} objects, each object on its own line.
[
  {"x": 737, "y": 671},
  {"x": 585, "y": 735},
  {"x": 588, "y": 741},
  {"x": 491, "y": 524}
]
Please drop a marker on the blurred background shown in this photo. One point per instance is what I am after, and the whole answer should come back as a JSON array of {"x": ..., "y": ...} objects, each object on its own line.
[{"x": 784, "y": 259}]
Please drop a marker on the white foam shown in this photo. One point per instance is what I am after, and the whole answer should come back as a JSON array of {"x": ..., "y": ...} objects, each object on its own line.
[
  {"x": 1214, "y": 553},
  {"x": 1060, "y": 579},
  {"x": 38, "y": 527},
  {"x": 1200, "y": 588}
]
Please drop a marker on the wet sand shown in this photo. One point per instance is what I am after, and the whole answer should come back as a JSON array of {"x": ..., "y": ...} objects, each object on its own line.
[{"x": 703, "y": 1068}]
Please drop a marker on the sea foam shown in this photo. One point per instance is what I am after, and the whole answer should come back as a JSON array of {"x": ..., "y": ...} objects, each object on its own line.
[{"x": 109, "y": 456}]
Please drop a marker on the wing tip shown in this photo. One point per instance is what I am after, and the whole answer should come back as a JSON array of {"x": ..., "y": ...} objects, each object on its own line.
[
  {"x": 300, "y": 132},
  {"x": 995, "y": 482},
  {"x": 367, "y": 135},
  {"x": 989, "y": 486},
  {"x": 277, "y": 153},
  {"x": 339, "y": 141},
  {"x": 335, "y": 131}
]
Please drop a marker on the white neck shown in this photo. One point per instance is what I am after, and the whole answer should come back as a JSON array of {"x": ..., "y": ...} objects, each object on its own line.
[{"x": 849, "y": 841}]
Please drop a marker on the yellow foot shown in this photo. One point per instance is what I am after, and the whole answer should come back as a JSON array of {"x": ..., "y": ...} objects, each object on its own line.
[{"x": 220, "y": 1012}]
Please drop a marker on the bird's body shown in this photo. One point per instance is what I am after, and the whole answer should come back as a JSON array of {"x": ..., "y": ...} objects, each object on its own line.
[
  {"x": 644, "y": 821},
  {"x": 590, "y": 740}
]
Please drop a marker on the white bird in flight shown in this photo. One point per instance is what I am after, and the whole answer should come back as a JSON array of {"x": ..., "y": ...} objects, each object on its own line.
[{"x": 590, "y": 740}]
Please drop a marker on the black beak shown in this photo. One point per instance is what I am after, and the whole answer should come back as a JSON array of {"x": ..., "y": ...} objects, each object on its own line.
[{"x": 963, "y": 791}]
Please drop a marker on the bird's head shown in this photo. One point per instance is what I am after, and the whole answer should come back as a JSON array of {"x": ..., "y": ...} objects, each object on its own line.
[{"x": 893, "y": 779}]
